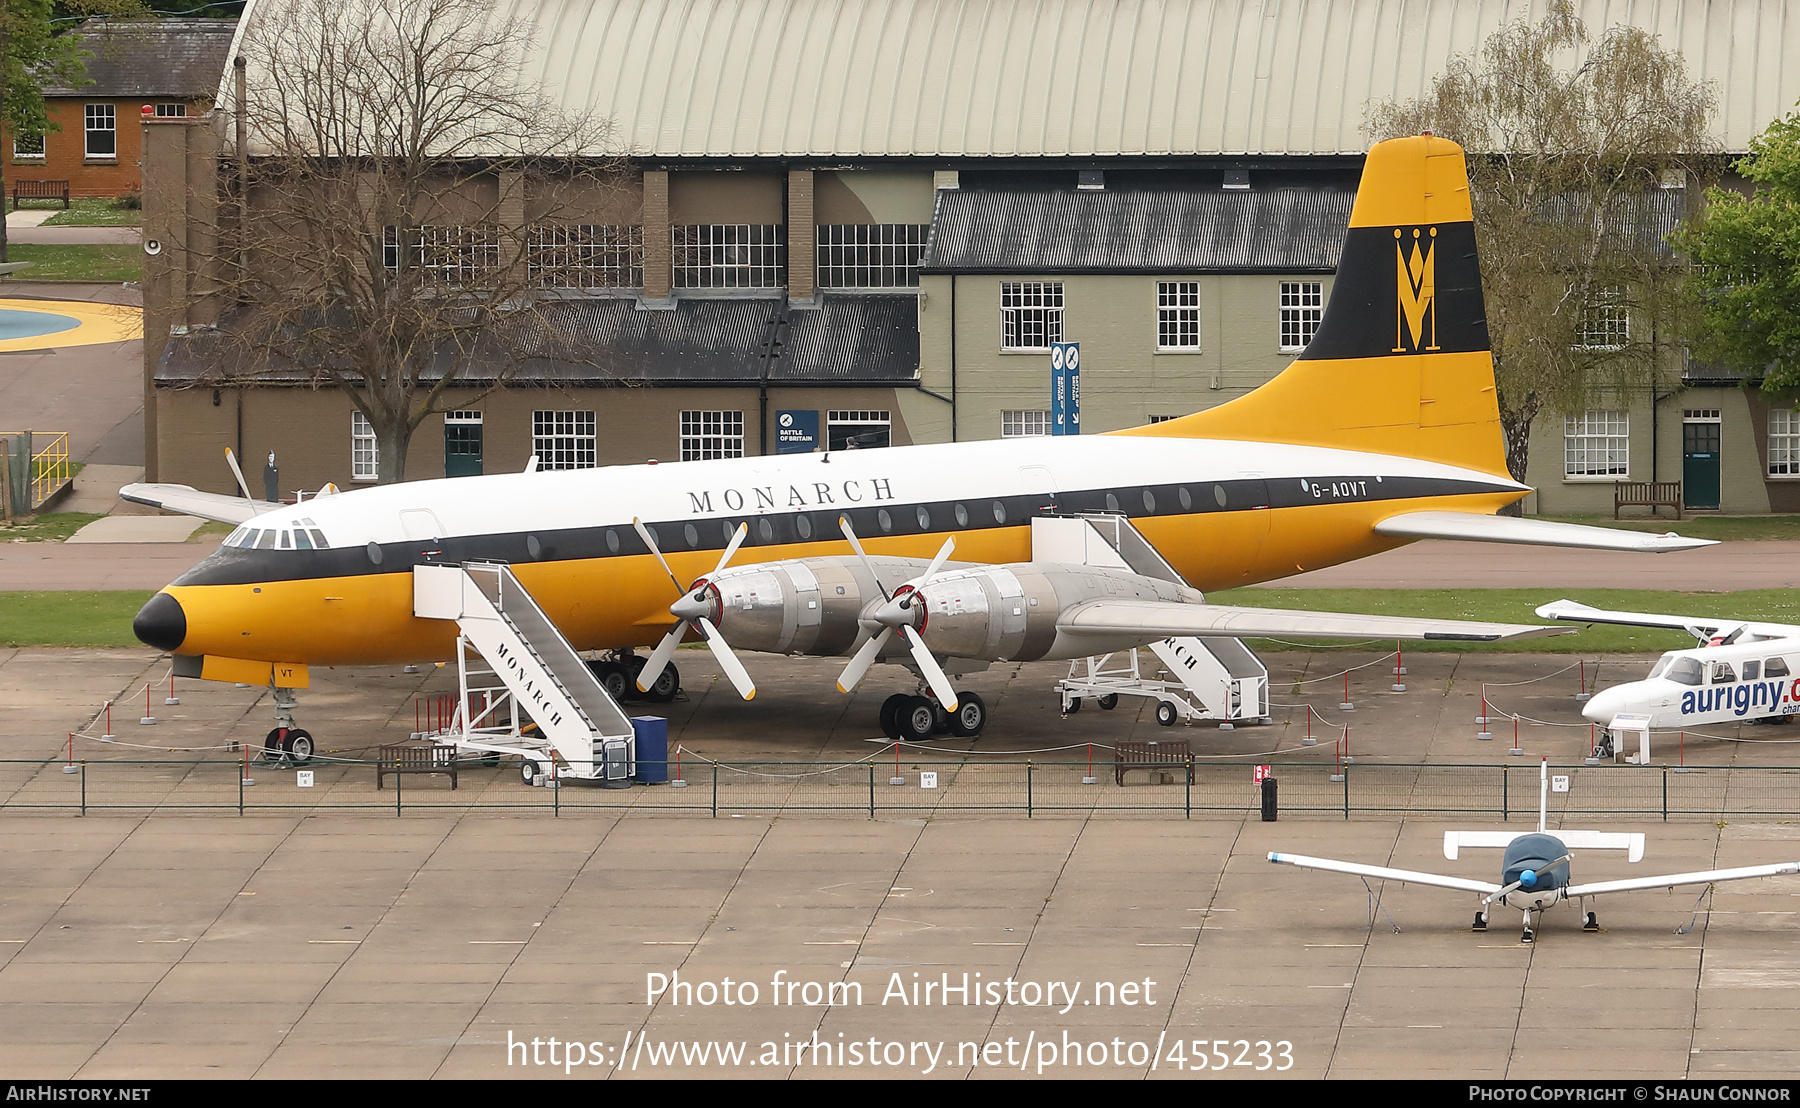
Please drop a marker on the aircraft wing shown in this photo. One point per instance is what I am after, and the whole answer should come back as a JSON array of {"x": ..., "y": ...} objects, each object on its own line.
[
  {"x": 193, "y": 502},
  {"x": 1411, "y": 877},
  {"x": 1474, "y": 527},
  {"x": 1573, "y": 612},
  {"x": 1161, "y": 619},
  {"x": 1669, "y": 881}
]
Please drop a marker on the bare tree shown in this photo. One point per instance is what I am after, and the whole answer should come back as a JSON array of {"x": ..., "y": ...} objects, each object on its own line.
[
  {"x": 1569, "y": 140},
  {"x": 398, "y": 227}
]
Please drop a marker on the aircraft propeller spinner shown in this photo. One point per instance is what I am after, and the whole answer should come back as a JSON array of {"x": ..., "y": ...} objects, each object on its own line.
[
  {"x": 690, "y": 610},
  {"x": 900, "y": 610}
]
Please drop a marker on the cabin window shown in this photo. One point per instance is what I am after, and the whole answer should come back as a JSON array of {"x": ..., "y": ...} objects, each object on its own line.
[
  {"x": 1775, "y": 667},
  {"x": 1723, "y": 674},
  {"x": 1684, "y": 671},
  {"x": 1752, "y": 670}
]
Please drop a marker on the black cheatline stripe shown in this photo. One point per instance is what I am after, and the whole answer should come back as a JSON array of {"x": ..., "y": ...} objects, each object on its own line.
[{"x": 240, "y": 566}]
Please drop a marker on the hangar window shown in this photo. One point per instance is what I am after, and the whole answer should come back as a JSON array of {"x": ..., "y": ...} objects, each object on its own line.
[
  {"x": 365, "y": 463},
  {"x": 1605, "y": 324},
  {"x": 1023, "y": 423},
  {"x": 102, "y": 128},
  {"x": 1596, "y": 444},
  {"x": 1784, "y": 444},
  {"x": 453, "y": 256},
  {"x": 871, "y": 255},
  {"x": 564, "y": 440},
  {"x": 857, "y": 430},
  {"x": 28, "y": 148},
  {"x": 1178, "y": 315},
  {"x": 1302, "y": 306},
  {"x": 707, "y": 435},
  {"x": 730, "y": 256},
  {"x": 587, "y": 256},
  {"x": 1031, "y": 314}
]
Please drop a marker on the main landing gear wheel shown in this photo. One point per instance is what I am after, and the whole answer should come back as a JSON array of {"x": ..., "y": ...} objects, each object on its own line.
[
  {"x": 299, "y": 746},
  {"x": 1108, "y": 702},
  {"x": 666, "y": 685},
  {"x": 970, "y": 716},
  {"x": 1592, "y": 924},
  {"x": 918, "y": 720},
  {"x": 1165, "y": 713},
  {"x": 891, "y": 709},
  {"x": 529, "y": 770},
  {"x": 613, "y": 678},
  {"x": 1480, "y": 922}
]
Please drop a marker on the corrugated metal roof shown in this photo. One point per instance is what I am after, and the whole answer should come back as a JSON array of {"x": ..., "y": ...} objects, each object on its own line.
[
  {"x": 153, "y": 57},
  {"x": 1070, "y": 78},
  {"x": 1160, "y": 230},
  {"x": 850, "y": 339}
]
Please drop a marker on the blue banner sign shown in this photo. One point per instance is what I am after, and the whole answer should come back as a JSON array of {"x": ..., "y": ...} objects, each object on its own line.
[
  {"x": 796, "y": 432},
  {"x": 1065, "y": 388}
]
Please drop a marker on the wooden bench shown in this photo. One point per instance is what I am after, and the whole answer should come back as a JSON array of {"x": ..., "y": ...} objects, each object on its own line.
[
  {"x": 415, "y": 759},
  {"x": 41, "y": 190},
  {"x": 1647, "y": 494},
  {"x": 1155, "y": 756}
]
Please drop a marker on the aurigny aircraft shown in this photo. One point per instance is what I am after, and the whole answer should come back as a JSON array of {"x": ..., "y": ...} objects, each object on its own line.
[
  {"x": 1739, "y": 670},
  {"x": 1534, "y": 871},
  {"x": 1384, "y": 431}
]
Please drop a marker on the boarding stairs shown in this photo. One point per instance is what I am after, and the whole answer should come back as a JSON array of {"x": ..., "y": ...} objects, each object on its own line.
[
  {"x": 511, "y": 661},
  {"x": 1200, "y": 678}
]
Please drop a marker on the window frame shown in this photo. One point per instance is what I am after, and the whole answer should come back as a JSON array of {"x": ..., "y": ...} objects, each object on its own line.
[
  {"x": 1304, "y": 316},
  {"x": 728, "y": 256},
  {"x": 1588, "y": 451},
  {"x": 1607, "y": 317},
  {"x": 708, "y": 434},
  {"x": 565, "y": 439},
  {"x": 1024, "y": 423},
  {"x": 566, "y": 255},
  {"x": 169, "y": 110},
  {"x": 109, "y": 113},
  {"x": 365, "y": 450},
  {"x": 1171, "y": 314},
  {"x": 32, "y": 156},
  {"x": 884, "y": 255},
  {"x": 1013, "y": 315},
  {"x": 1790, "y": 449}
]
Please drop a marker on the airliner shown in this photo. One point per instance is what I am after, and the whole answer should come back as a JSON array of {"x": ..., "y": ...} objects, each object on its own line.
[{"x": 1385, "y": 430}]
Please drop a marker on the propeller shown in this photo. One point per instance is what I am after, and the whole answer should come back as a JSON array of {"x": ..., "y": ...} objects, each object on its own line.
[
  {"x": 1528, "y": 879},
  {"x": 231, "y": 460},
  {"x": 690, "y": 610},
  {"x": 896, "y": 612}
]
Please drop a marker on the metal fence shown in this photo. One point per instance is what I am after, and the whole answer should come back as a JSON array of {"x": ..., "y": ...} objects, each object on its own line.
[{"x": 877, "y": 788}]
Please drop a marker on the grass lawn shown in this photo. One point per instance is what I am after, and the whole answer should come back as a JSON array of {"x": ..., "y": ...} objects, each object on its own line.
[
  {"x": 69, "y": 618},
  {"x": 1723, "y": 528},
  {"x": 90, "y": 211},
  {"x": 1515, "y": 606},
  {"x": 78, "y": 262},
  {"x": 48, "y": 527}
]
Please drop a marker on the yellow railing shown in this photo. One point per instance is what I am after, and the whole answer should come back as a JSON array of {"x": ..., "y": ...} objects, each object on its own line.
[{"x": 50, "y": 469}]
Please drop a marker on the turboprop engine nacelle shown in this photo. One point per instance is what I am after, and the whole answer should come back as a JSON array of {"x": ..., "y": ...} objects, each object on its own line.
[{"x": 825, "y": 606}]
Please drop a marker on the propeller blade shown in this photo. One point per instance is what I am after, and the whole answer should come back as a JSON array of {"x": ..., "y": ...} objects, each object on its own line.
[
  {"x": 737, "y": 539},
  {"x": 943, "y": 555},
  {"x": 859, "y": 665},
  {"x": 728, "y": 661},
  {"x": 231, "y": 460},
  {"x": 844, "y": 525},
  {"x": 644, "y": 533},
  {"x": 660, "y": 657},
  {"x": 934, "y": 673}
]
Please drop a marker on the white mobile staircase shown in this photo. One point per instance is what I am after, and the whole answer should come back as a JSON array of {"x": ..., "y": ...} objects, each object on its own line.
[
  {"x": 1213, "y": 678},
  {"x": 530, "y": 667}
]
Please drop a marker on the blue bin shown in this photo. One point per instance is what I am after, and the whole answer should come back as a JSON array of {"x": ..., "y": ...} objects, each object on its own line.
[{"x": 652, "y": 749}]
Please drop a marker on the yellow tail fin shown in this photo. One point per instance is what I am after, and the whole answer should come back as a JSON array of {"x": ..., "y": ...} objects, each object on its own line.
[{"x": 1401, "y": 362}]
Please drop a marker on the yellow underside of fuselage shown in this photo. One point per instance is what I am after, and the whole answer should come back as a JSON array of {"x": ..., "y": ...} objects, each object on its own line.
[{"x": 603, "y": 603}]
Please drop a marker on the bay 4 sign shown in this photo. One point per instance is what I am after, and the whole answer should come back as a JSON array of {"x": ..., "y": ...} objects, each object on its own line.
[{"x": 1740, "y": 670}]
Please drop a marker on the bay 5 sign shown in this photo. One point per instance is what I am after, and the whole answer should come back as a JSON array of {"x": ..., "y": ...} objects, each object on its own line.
[{"x": 1065, "y": 388}]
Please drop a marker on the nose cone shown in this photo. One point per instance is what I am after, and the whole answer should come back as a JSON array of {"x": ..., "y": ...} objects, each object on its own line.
[
  {"x": 161, "y": 623},
  {"x": 1607, "y": 703}
]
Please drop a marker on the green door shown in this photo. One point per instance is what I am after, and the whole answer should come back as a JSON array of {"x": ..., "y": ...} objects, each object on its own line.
[
  {"x": 1700, "y": 465},
  {"x": 462, "y": 444}
]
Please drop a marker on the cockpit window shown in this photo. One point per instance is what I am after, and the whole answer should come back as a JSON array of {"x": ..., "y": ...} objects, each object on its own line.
[
  {"x": 1684, "y": 671},
  {"x": 267, "y": 541},
  {"x": 1656, "y": 670}
]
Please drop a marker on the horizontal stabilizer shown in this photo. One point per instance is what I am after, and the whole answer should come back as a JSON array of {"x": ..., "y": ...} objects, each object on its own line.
[
  {"x": 1472, "y": 527},
  {"x": 1454, "y": 841},
  {"x": 1632, "y": 842},
  {"x": 1669, "y": 881},
  {"x": 191, "y": 501},
  {"x": 1158, "y": 619},
  {"x": 1412, "y": 877}
]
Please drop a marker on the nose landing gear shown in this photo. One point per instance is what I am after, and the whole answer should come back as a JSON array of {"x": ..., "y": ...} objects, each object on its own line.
[{"x": 287, "y": 742}]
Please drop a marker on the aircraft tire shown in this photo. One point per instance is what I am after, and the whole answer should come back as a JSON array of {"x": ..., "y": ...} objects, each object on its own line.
[
  {"x": 890, "y": 714},
  {"x": 919, "y": 719},
  {"x": 299, "y": 745},
  {"x": 1480, "y": 922},
  {"x": 1165, "y": 713},
  {"x": 970, "y": 716},
  {"x": 613, "y": 679},
  {"x": 1108, "y": 702},
  {"x": 666, "y": 685}
]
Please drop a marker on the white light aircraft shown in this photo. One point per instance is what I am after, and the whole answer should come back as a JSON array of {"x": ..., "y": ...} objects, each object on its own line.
[
  {"x": 1534, "y": 870},
  {"x": 1383, "y": 431}
]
